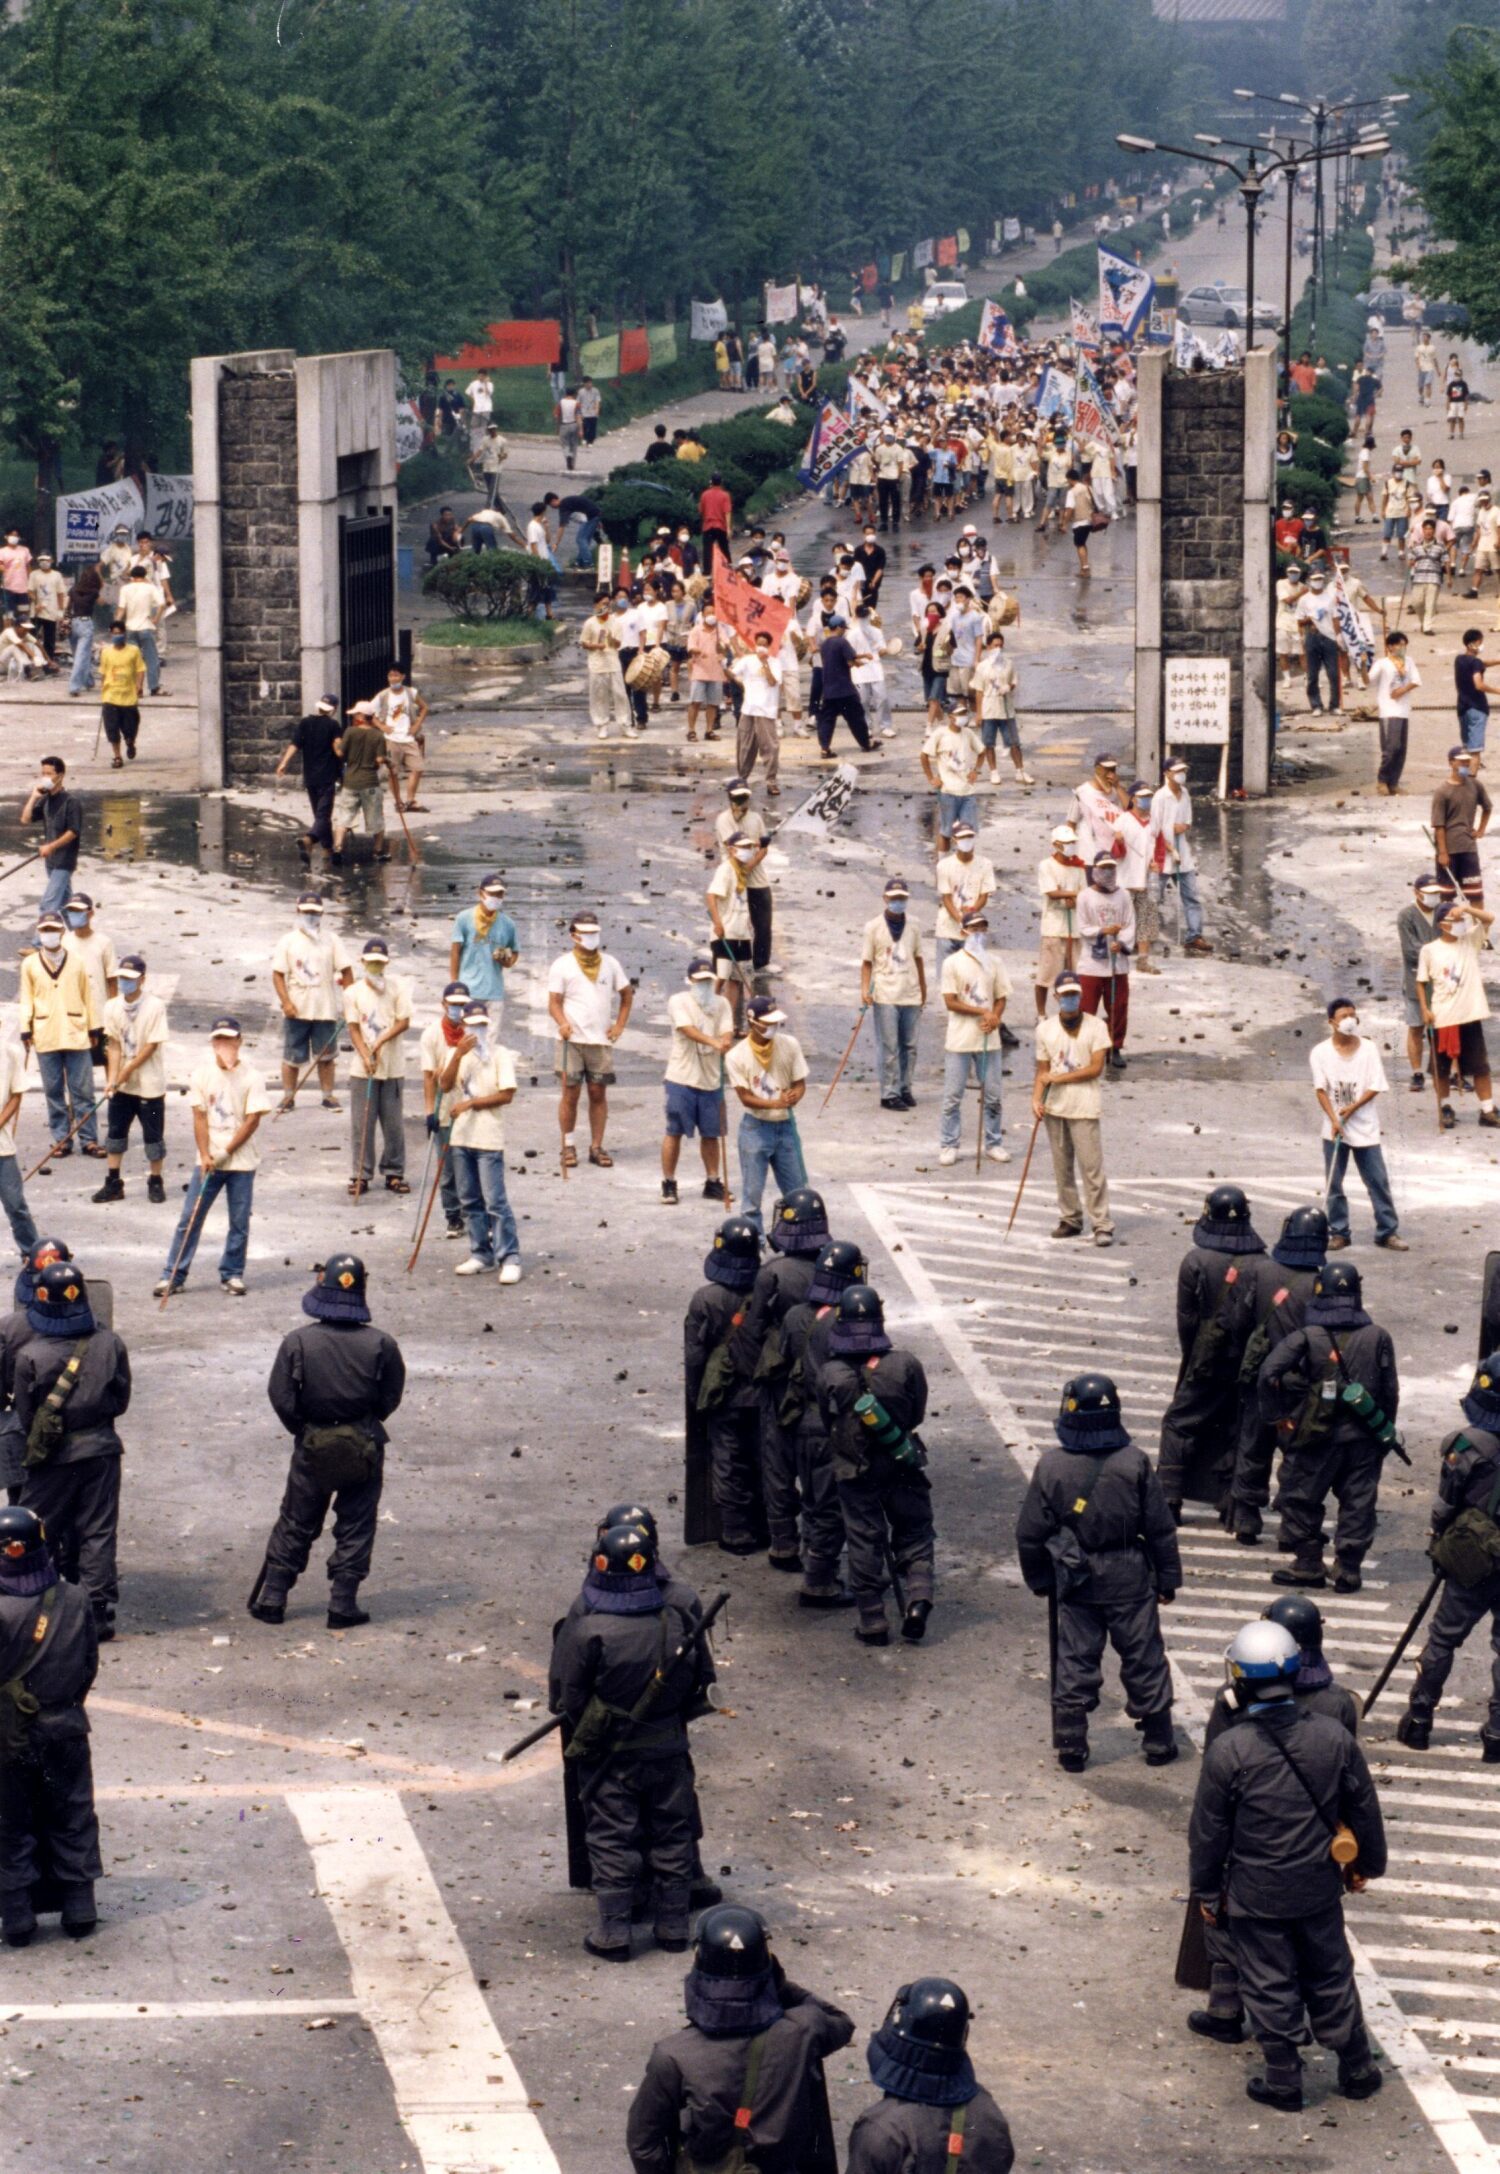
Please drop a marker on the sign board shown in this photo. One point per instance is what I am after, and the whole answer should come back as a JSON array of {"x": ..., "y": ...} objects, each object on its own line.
[
  {"x": 409, "y": 431},
  {"x": 1195, "y": 701},
  {"x": 87, "y": 519}
]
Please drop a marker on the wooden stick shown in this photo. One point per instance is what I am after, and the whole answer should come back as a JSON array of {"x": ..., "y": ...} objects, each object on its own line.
[
  {"x": 1025, "y": 1171},
  {"x": 203, "y": 1178},
  {"x": 400, "y": 811},
  {"x": 848, "y": 1053},
  {"x": 984, "y": 1081},
  {"x": 58, "y": 1145},
  {"x": 437, "y": 1179}
]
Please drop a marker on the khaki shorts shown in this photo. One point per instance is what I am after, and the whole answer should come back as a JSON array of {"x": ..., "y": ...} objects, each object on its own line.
[
  {"x": 404, "y": 756},
  {"x": 959, "y": 678},
  {"x": 367, "y": 801},
  {"x": 1052, "y": 959},
  {"x": 593, "y": 1061}
]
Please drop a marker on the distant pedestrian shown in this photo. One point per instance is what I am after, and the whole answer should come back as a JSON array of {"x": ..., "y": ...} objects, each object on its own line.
[
  {"x": 228, "y": 1103},
  {"x": 768, "y": 1072},
  {"x": 1394, "y": 680},
  {"x": 315, "y": 738},
  {"x": 122, "y": 675},
  {"x": 589, "y": 995},
  {"x": 377, "y": 1011},
  {"x": 60, "y": 814},
  {"x": 1469, "y": 668},
  {"x": 1071, "y": 1050},
  {"x": 1347, "y": 1077}
]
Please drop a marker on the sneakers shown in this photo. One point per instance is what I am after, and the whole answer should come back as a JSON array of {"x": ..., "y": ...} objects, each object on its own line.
[
  {"x": 457, "y": 1230},
  {"x": 1104, "y": 1237},
  {"x": 713, "y": 1188},
  {"x": 473, "y": 1266},
  {"x": 1490, "y": 1120},
  {"x": 1024, "y": 777},
  {"x": 111, "y": 1189},
  {"x": 1117, "y": 1060},
  {"x": 997, "y": 1154},
  {"x": 1418, "y": 1082},
  {"x": 155, "y": 1188},
  {"x": 161, "y": 1288},
  {"x": 948, "y": 1157},
  {"x": 232, "y": 1286},
  {"x": 669, "y": 1192},
  {"x": 1447, "y": 1117},
  {"x": 510, "y": 1270}
]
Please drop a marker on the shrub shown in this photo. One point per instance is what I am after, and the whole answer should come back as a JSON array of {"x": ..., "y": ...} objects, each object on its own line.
[
  {"x": 623, "y": 507},
  {"x": 1324, "y": 419},
  {"x": 489, "y": 584},
  {"x": 1308, "y": 487},
  {"x": 778, "y": 488},
  {"x": 439, "y": 472},
  {"x": 752, "y": 444}
]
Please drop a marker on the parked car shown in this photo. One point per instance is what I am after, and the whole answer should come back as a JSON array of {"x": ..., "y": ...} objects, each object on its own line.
[
  {"x": 943, "y": 297},
  {"x": 1218, "y": 305},
  {"x": 1393, "y": 306}
]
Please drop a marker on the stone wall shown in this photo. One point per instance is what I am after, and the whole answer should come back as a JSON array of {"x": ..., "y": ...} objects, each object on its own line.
[{"x": 260, "y": 618}]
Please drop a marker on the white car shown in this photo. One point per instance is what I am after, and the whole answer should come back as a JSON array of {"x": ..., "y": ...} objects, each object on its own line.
[{"x": 943, "y": 297}]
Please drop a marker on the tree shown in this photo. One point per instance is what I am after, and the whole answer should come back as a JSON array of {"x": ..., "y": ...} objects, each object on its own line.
[{"x": 1459, "y": 175}]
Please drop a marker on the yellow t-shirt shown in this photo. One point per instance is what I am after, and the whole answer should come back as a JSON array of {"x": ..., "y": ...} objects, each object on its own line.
[
  {"x": 122, "y": 674},
  {"x": 892, "y": 961},
  {"x": 1061, "y": 1051},
  {"x": 491, "y": 1074},
  {"x": 227, "y": 1098},
  {"x": 782, "y": 1069},
  {"x": 974, "y": 981},
  {"x": 373, "y": 1011}
]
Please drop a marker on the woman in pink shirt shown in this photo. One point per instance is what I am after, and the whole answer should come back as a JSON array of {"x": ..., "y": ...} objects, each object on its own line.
[{"x": 705, "y": 674}]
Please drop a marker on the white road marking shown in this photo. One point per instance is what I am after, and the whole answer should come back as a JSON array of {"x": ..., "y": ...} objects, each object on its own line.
[
  {"x": 175, "y": 2011},
  {"x": 457, "y": 2091}
]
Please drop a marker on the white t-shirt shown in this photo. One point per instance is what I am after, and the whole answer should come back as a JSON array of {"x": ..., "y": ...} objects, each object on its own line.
[
  {"x": 227, "y": 1098},
  {"x": 974, "y": 981},
  {"x": 393, "y": 706},
  {"x": 761, "y": 679},
  {"x": 954, "y": 752},
  {"x": 1097, "y": 818},
  {"x": 1168, "y": 809},
  {"x": 138, "y": 1027},
  {"x": 1457, "y": 986},
  {"x": 1061, "y": 1051},
  {"x": 734, "y": 910},
  {"x": 98, "y": 956},
  {"x": 751, "y": 825},
  {"x": 782, "y": 1069},
  {"x": 1384, "y": 675},
  {"x": 588, "y": 1006},
  {"x": 1051, "y": 875},
  {"x": 490, "y": 1074},
  {"x": 892, "y": 960},
  {"x": 480, "y": 394},
  {"x": 312, "y": 967},
  {"x": 1344, "y": 1079},
  {"x": 437, "y": 1055},
  {"x": 691, "y": 1064},
  {"x": 536, "y": 539},
  {"x": 374, "y": 1011},
  {"x": 966, "y": 883}
]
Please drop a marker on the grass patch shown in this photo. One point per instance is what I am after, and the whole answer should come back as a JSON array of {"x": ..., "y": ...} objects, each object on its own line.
[{"x": 486, "y": 633}]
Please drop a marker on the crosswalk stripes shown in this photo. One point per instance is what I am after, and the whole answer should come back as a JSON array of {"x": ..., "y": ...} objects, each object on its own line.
[{"x": 1016, "y": 1320}]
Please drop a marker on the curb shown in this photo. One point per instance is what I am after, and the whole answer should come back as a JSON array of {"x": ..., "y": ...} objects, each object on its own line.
[{"x": 431, "y": 655}]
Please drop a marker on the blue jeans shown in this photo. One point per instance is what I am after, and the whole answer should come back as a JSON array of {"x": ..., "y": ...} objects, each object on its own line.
[
  {"x": 896, "y": 1035},
  {"x": 944, "y": 947},
  {"x": 68, "y": 1076},
  {"x": 238, "y": 1188},
  {"x": 588, "y": 537},
  {"x": 956, "y": 808},
  {"x": 57, "y": 889},
  {"x": 13, "y": 1201},
  {"x": 479, "y": 1173},
  {"x": 1370, "y": 1163},
  {"x": 1189, "y": 896},
  {"x": 145, "y": 641},
  {"x": 83, "y": 656},
  {"x": 1471, "y": 728},
  {"x": 985, "y": 1067},
  {"x": 766, "y": 1146}
]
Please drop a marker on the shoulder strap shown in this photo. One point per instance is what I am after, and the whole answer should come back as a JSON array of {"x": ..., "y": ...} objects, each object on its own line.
[
  {"x": 57, "y": 1396},
  {"x": 1329, "y": 1822},
  {"x": 746, "y": 2107},
  {"x": 956, "y": 2137}
]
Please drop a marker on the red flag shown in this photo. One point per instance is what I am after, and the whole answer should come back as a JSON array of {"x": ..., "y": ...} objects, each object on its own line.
[
  {"x": 868, "y": 277},
  {"x": 747, "y": 609},
  {"x": 635, "y": 351}
]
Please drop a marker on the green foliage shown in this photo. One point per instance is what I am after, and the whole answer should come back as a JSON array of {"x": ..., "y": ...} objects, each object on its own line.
[
  {"x": 488, "y": 584},
  {"x": 753, "y": 444},
  {"x": 1317, "y": 456},
  {"x": 1323, "y": 418},
  {"x": 1459, "y": 176},
  {"x": 624, "y": 508},
  {"x": 1308, "y": 487},
  {"x": 438, "y": 471},
  {"x": 775, "y": 491}
]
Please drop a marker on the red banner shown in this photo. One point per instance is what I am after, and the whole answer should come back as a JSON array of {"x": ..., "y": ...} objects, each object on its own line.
[
  {"x": 868, "y": 276},
  {"x": 947, "y": 249},
  {"x": 742, "y": 606},
  {"x": 635, "y": 351},
  {"x": 516, "y": 344}
]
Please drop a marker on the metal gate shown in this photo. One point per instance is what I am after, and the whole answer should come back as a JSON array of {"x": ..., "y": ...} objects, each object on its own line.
[{"x": 367, "y": 603}]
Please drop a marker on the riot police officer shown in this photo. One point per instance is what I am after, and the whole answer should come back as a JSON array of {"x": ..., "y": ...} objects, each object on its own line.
[
  {"x": 1282, "y": 1285},
  {"x": 799, "y": 1229},
  {"x": 1465, "y": 1546},
  {"x": 746, "y": 2071},
  {"x": 934, "y": 2113},
  {"x": 628, "y": 1671},
  {"x": 1331, "y": 1387},
  {"x": 805, "y": 1330},
  {"x": 1314, "y": 1689},
  {"x": 1096, "y": 1535},
  {"x": 872, "y": 1398},
  {"x": 333, "y": 1386},
  {"x": 15, "y": 1330},
  {"x": 722, "y": 1403},
  {"x": 1274, "y": 1793},
  {"x": 1213, "y": 1325},
  {"x": 49, "y": 1656},
  {"x": 70, "y": 1382}
]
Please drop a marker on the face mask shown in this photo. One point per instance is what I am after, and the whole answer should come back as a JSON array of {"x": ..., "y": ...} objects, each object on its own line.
[
  {"x": 117, "y": 641},
  {"x": 1070, "y": 1006},
  {"x": 978, "y": 944},
  {"x": 130, "y": 988},
  {"x": 75, "y": 919},
  {"x": 47, "y": 785},
  {"x": 455, "y": 1012},
  {"x": 312, "y": 923},
  {"x": 587, "y": 943},
  {"x": 1456, "y": 925},
  {"x": 375, "y": 976},
  {"x": 1346, "y": 1023},
  {"x": 1105, "y": 879},
  {"x": 705, "y": 993},
  {"x": 709, "y": 623},
  {"x": 744, "y": 854},
  {"x": 896, "y": 911},
  {"x": 51, "y": 946},
  {"x": 481, "y": 1039}
]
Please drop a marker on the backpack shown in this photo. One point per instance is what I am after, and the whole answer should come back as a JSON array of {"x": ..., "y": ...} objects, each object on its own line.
[{"x": 1468, "y": 1549}]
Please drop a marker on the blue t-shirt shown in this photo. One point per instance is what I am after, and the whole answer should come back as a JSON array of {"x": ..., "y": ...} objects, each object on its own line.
[{"x": 479, "y": 971}]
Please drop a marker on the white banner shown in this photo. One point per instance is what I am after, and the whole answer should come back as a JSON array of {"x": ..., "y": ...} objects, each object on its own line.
[
  {"x": 1011, "y": 230},
  {"x": 409, "y": 430},
  {"x": 709, "y": 320},
  {"x": 87, "y": 519},
  {"x": 921, "y": 256},
  {"x": 781, "y": 304},
  {"x": 169, "y": 507}
]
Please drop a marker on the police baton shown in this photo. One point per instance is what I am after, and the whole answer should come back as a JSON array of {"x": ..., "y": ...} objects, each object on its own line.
[
  {"x": 1402, "y": 1643},
  {"x": 555, "y": 1721}
]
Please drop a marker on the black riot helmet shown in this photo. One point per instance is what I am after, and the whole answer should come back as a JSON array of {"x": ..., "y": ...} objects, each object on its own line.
[
  {"x": 26, "y": 1566},
  {"x": 59, "y": 1301},
  {"x": 731, "y": 1943},
  {"x": 630, "y": 1513},
  {"x": 1225, "y": 1225},
  {"x": 800, "y": 1222},
  {"x": 1089, "y": 1417},
  {"x": 933, "y": 2011},
  {"x": 345, "y": 1272},
  {"x": 339, "y": 1293},
  {"x": 1302, "y": 1617},
  {"x": 1337, "y": 1297},
  {"x": 734, "y": 1258},
  {"x": 624, "y": 1551},
  {"x": 1304, "y": 1240},
  {"x": 858, "y": 1328},
  {"x": 861, "y": 1304},
  {"x": 1481, "y": 1407},
  {"x": 839, "y": 1264}
]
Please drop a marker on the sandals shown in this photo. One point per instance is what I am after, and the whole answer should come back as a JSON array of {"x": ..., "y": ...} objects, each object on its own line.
[
  {"x": 601, "y": 1159},
  {"x": 93, "y": 1149},
  {"x": 397, "y": 1185},
  {"x": 569, "y": 1158},
  {"x": 332, "y": 1102},
  {"x": 358, "y": 1186}
]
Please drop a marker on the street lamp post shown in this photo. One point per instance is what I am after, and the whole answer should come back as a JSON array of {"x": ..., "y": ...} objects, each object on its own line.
[{"x": 1320, "y": 111}]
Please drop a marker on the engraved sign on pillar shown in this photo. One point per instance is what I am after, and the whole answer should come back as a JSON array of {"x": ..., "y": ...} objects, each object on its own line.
[{"x": 1195, "y": 701}]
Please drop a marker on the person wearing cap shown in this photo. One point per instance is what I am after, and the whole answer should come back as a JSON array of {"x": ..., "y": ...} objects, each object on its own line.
[
  {"x": 228, "y": 1103},
  {"x": 838, "y": 695},
  {"x": 996, "y": 680},
  {"x": 142, "y": 602},
  {"x": 1486, "y": 538},
  {"x": 727, "y": 900},
  {"x": 122, "y": 675},
  {"x": 1070, "y": 1056},
  {"x": 135, "y": 1079},
  {"x": 439, "y": 1041},
  {"x": 951, "y": 760},
  {"x": 703, "y": 1030},
  {"x": 893, "y": 979},
  {"x": 377, "y": 1011},
  {"x": 974, "y": 987},
  {"x": 58, "y": 1018},
  {"x": 757, "y": 670},
  {"x": 483, "y": 943},
  {"x": 1106, "y": 940},
  {"x": 589, "y": 995},
  {"x": 1416, "y": 926},
  {"x": 361, "y": 795},
  {"x": 1097, "y": 807},
  {"x": 1290, "y": 590},
  {"x": 480, "y": 1078},
  {"x": 1454, "y": 1004},
  {"x": 335, "y": 1381},
  {"x": 768, "y": 1072},
  {"x": 12, "y": 1189},
  {"x": 1061, "y": 875},
  {"x": 1347, "y": 1077},
  {"x": 49, "y": 602},
  {"x": 964, "y": 879},
  {"x": 308, "y": 969},
  {"x": 97, "y": 953},
  {"x": 1318, "y": 621},
  {"x": 1177, "y": 863},
  {"x": 315, "y": 738},
  {"x": 598, "y": 638},
  {"x": 1461, "y": 812},
  {"x": 743, "y": 821},
  {"x": 74, "y": 1451},
  {"x": 1140, "y": 841}
]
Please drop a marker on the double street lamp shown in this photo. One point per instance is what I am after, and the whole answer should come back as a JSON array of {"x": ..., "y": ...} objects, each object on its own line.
[{"x": 1320, "y": 111}]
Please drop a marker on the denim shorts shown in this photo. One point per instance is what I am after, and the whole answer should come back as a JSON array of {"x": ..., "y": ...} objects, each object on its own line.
[
  {"x": 707, "y": 693},
  {"x": 694, "y": 1111},
  {"x": 956, "y": 808},
  {"x": 298, "y": 1037},
  {"x": 1002, "y": 729}
]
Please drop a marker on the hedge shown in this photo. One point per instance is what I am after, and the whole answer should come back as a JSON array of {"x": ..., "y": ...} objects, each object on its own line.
[
  {"x": 489, "y": 584},
  {"x": 751, "y": 443},
  {"x": 1308, "y": 487},
  {"x": 439, "y": 471},
  {"x": 778, "y": 490},
  {"x": 1325, "y": 419},
  {"x": 626, "y": 508}
]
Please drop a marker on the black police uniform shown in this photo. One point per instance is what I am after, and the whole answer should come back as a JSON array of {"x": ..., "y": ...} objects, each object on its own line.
[
  {"x": 1338, "y": 1343},
  {"x": 76, "y": 1492},
  {"x": 714, "y": 1312},
  {"x": 887, "y": 1504},
  {"x": 639, "y": 1801},
  {"x": 1095, "y": 1529},
  {"x": 759, "y": 1352},
  {"x": 49, "y": 1831},
  {"x": 1469, "y": 1480},
  {"x": 896, "y": 2136},
  {"x": 804, "y": 1342},
  {"x": 1261, "y": 1841},
  {"x": 1278, "y": 1308},
  {"x": 330, "y": 1372},
  {"x": 934, "y": 2116},
  {"x": 1214, "y": 1293},
  {"x": 695, "y": 2082}
]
